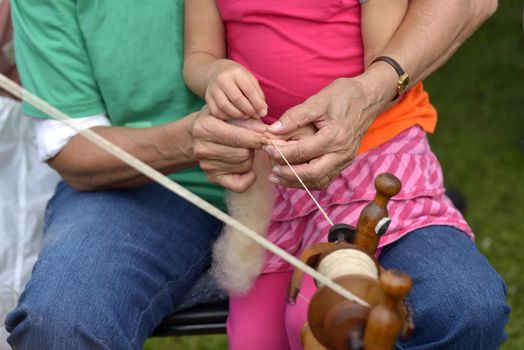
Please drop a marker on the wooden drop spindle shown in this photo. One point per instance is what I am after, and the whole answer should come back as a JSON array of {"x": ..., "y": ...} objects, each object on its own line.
[
  {"x": 309, "y": 340},
  {"x": 384, "y": 321},
  {"x": 374, "y": 219}
]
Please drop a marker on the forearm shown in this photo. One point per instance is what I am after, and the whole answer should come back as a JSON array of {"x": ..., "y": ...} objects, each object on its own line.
[
  {"x": 432, "y": 31},
  {"x": 86, "y": 167},
  {"x": 429, "y": 34},
  {"x": 199, "y": 68},
  {"x": 204, "y": 43},
  {"x": 380, "y": 20}
]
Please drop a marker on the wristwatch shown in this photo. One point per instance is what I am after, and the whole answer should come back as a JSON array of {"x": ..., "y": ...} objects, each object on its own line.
[{"x": 403, "y": 77}]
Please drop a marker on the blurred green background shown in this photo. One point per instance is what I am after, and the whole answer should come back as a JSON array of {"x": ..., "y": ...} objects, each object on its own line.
[{"x": 479, "y": 95}]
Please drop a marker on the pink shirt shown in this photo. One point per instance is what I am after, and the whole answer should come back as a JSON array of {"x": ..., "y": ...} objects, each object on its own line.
[
  {"x": 297, "y": 223},
  {"x": 295, "y": 48}
]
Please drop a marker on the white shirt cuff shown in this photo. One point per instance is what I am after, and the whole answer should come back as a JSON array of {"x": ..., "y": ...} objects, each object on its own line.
[{"x": 53, "y": 135}]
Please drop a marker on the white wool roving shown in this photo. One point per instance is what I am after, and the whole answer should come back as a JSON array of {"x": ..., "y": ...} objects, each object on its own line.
[{"x": 237, "y": 260}]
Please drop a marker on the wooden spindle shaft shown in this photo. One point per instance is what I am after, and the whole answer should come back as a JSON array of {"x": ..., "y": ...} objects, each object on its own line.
[{"x": 369, "y": 226}]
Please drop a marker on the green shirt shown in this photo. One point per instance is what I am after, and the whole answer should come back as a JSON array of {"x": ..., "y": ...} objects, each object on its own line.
[{"x": 118, "y": 57}]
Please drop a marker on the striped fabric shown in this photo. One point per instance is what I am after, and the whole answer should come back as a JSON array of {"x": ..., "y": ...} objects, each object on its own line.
[{"x": 297, "y": 223}]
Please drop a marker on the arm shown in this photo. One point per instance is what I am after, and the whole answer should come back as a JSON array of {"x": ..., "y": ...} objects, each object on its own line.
[
  {"x": 229, "y": 89},
  {"x": 432, "y": 31},
  {"x": 222, "y": 148},
  {"x": 429, "y": 34},
  {"x": 64, "y": 78},
  {"x": 380, "y": 20},
  {"x": 86, "y": 167}
]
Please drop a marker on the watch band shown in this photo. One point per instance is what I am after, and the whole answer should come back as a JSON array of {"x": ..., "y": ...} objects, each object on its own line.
[{"x": 403, "y": 77}]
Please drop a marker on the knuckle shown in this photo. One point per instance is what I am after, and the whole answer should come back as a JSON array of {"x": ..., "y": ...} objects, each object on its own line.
[
  {"x": 206, "y": 168},
  {"x": 237, "y": 156},
  {"x": 244, "y": 166},
  {"x": 245, "y": 158},
  {"x": 234, "y": 183},
  {"x": 236, "y": 97},
  {"x": 222, "y": 104},
  {"x": 235, "y": 113},
  {"x": 308, "y": 175},
  {"x": 213, "y": 109},
  {"x": 222, "y": 116},
  {"x": 324, "y": 183},
  {"x": 317, "y": 185},
  {"x": 222, "y": 78},
  {"x": 241, "y": 187},
  {"x": 238, "y": 71},
  {"x": 199, "y": 151},
  {"x": 198, "y": 129},
  {"x": 235, "y": 141},
  {"x": 314, "y": 175},
  {"x": 300, "y": 154}
]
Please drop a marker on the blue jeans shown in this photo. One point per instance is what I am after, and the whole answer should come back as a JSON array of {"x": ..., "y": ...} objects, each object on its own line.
[
  {"x": 458, "y": 300},
  {"x": 113, "y": 264},
  {"x": 107, "y": 283}
]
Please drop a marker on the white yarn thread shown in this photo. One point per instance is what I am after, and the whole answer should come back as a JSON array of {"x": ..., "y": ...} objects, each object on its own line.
[
  {"x": 303, "y": 184},
  {"x": 346, "y": 262}
]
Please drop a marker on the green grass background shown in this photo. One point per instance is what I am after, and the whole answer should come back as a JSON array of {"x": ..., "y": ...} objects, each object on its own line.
[{"x": 479, "y": 95}]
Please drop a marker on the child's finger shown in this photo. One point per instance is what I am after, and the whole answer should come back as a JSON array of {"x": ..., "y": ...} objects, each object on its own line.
[
  {"x": 213, "y": 108},
  {"x": 252, "y": 124},
  {"x": 251, "y": 89},
  {"x": 237, "y": 98},
  {"x": 224, "y": 104}
]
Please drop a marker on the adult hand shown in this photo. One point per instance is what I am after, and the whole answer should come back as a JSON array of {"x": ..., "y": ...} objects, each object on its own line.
[
  {"x": 224, "y": 150},
  {"x": 342, "y": 112}
]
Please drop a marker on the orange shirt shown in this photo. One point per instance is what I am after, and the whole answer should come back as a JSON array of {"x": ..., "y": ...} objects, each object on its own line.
[{"x": 413, "y": 108}]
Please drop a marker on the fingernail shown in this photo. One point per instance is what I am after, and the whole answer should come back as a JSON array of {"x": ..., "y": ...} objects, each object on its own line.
[
  {"x": 276, "y": 126},
  {"x": 263, "y": 112},
  {"x": 274, "y": 179},
  {"x": 277, "y": 170},
  {"x": 269, "y": 151}
]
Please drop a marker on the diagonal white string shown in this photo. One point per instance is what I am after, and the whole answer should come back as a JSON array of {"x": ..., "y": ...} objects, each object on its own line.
[
  {"x": 302, "y": 183},
  {"x": 163, "y": 180}
]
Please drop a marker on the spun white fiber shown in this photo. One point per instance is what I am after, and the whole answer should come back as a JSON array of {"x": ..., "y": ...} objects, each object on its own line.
[{"x": 238, "y": 260}]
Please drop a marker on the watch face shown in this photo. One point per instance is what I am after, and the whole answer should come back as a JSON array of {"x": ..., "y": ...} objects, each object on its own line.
[{"x": 403, "y": 83}]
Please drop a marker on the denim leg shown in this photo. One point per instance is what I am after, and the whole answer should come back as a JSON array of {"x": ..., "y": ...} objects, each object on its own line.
[
  {"x": 112, "y": 266},
  {"x": 204, "y": 291},
  {"x": 458, "y": 299}
]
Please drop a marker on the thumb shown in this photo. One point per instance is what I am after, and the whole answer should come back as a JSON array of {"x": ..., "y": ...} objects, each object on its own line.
[{"x": 294, "y": 118}]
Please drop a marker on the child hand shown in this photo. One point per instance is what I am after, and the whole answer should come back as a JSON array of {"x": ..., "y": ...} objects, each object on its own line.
[{"x": 234, "y": 93}]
